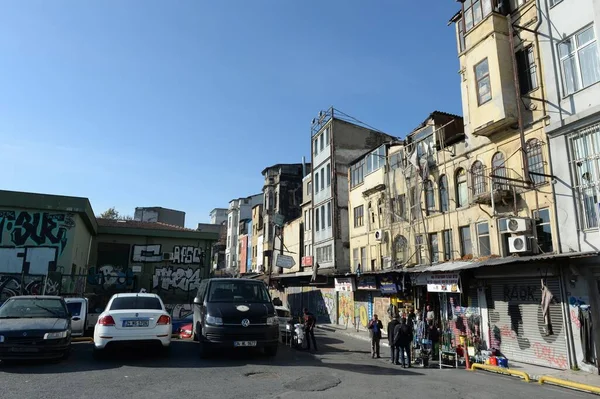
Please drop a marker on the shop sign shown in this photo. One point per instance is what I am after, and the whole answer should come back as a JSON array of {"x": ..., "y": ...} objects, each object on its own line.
[
  {"x": 367, "y": 283},
  {"x": 307, "y": 261},
  {"x": 388, "y": 285},
  {"x": 443, "y": 282},
  {"x": 344, "y": 284}
]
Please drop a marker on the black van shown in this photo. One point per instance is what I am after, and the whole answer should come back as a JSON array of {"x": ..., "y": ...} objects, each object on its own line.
[{"x": 235, "y": 313}]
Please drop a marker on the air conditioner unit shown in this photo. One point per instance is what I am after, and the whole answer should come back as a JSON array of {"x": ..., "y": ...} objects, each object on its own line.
[
  {"x": 167, "y": 256},
  {"x": 518, "y": 225},
  {"x": 378, "y": 235},
  {"x": 520, "y": 244}
]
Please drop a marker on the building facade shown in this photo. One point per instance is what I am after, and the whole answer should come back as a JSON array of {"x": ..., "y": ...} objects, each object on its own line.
[
  {"x": 307, "y": 259},
  {"x": 218, "y": 216},
  {"x": 239, "y": 209},
  {"x": 257, "y": 256},
  {"x": 159, "y": 214}
]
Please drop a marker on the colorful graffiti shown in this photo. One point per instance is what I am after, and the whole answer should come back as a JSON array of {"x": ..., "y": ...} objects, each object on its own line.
[
  {"x": 574, "y": 303},
  {"x": 380, "y": 307},
  {"x": 549, "y": 354},
  {"x": 109, "y": 277},
  {"x": 28, "y": 285},
  {"x": 345, "y": 308},
  {"x": 28, "y": 260},
  {"x": 167, "y": 278},
  {"x": 187, "y": 255},
  {"x": 36, "y": 228},
  {"x": 179, "y": 310},
  {"x": 146, "y": 253}
]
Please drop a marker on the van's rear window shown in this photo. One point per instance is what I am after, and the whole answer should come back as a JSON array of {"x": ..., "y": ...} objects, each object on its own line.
[{"x": 134, "y": 302}]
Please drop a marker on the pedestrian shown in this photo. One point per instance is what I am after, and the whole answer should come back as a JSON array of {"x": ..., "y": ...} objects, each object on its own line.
[
  {"x": 375, "y": 327},
  {"x": 309, "y": 329},
  {"x": 434, "y": 336},
  {"x": 402, "y": 339},
  {"x": 390, "y": 329},
  {"x": 430, "y": 315}
]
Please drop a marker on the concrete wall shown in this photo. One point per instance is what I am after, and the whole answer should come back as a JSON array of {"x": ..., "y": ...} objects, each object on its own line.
[{"x": 293, "y": 238}]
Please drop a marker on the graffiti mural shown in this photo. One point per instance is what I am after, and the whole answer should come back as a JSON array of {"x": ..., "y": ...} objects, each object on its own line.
[
  {"x": 109, "y": 277},
  {"x": 380, "y": 307},
  {"x": 30, "y": 260},
  {"x": 168, "y": 278},
  {"x": 35, "y": 228},
  {"x": 13, "y": 285},
  {"x": 345, "y": 308},
  {"x": 179, "y": 310},
  {"x": 187, "y": 255},
  {"x": 146, "y": 253}
]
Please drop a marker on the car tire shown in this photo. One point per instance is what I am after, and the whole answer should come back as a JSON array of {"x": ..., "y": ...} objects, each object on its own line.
[{"x": 271, "y": 351}]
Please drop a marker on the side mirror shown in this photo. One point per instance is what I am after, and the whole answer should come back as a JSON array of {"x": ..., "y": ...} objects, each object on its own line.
[{"x": 197, "y": 301}]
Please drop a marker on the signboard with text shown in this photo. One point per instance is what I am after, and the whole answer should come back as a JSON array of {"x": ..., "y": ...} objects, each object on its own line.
[
  {"x": 366, "y": 283},
  {"x": 443, "y": 282},
  {"x": 344, "y": 284}
]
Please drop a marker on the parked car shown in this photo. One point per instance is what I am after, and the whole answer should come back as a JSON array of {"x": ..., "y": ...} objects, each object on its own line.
[
  {"x": 34, "y": 327},
  {"x": 285, "y": 323},
  {"x": 178, "y": 323},
  {"x": 235, "y": 313},
  {"x": 185, "y": 331},
  {"x": 78, "y": 308},
  {"x": 133, "y": 318}
]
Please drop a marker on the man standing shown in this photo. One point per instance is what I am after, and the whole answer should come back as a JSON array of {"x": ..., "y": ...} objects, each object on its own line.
[
  {"x": 309, "y": 329},
  {"x": 403, "y": 337},
  {"x": 375, "y": 327},
  {"x": 390, "y": 329}
]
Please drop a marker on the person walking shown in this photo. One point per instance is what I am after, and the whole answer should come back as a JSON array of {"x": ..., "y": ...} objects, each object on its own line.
[
  {"x": 375, "y": 327},
  {"x": 309, "y": 329},
  {"x": 403, "y": 337},
  {"x": 390, "y": 329}
]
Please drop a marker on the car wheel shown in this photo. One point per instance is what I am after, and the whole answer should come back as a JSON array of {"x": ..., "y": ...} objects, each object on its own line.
[{"x": 271, "y": 351}]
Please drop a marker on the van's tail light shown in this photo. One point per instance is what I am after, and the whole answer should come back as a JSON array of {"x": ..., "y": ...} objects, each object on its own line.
[
  {"x": 106, "y": 321},
  {"x": 164, "y": 320}
]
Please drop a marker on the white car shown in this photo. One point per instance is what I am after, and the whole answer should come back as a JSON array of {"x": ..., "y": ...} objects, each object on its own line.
[
  {"x": 133, "y": 318},
  {"x": 285, "y": 317}
]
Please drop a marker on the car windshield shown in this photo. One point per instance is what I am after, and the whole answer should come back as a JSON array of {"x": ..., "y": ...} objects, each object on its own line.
[
  {"x": 238, "y": 291},
  {"x": 135, "y": 302},
  {"x": 33, "y": 308}
]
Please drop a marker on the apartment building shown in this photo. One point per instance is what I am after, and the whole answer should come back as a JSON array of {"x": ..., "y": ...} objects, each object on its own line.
[
  {"x": 307, "y": 258},
  {"x": 337, "y": 139},
  {"x": 257, "y": 239},
  {"x": 238, "y": 210}
]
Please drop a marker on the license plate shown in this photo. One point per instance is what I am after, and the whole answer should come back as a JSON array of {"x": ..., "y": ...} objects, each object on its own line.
[
  {"x": 238, "y": 344},
  {"x": 136, "y": 323},
  {"x": 24, "y": 350}
]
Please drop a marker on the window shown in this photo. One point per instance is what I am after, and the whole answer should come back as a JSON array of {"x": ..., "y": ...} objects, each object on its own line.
[
  {"x": 483, "y": 239},
  {"x": 415, "y": 203},
  {"x": 585, "y": 155},
  {"x": 429, "y": 196},
  {"x": 328, "y": 175},
  {"x": 400, "y": 248},
  {"x": 448, "y": 251},
  {"x": 533, "y": 148},
  {"x": 461, "y": 188},
  {"x": 402, "y": 206},
  {"x": 317, "y": 219},
  {"x": 543, "y": 229},
  {"x": 375, "y": 159},
  {"x": 363, "y": 257},
  {"x": 419, "y": 249},
  {"x": 444, "y": 197},
  {"x": 499, "y": 172},
  {"x": 466, "y": 246},
  {"x": 355, "y": 258},
  {"x": 322, "y": 142},
  {"x": 396, "y": 160},
  {"x": 325, "y": 254},
  {"x": 316, "y": 182},
  {"x": 357, "y": 173},
  {"x": 359, "y": 216},
  {"x": 434, "y": 253},
  {"x": 329, "y": 214},
  {"x": 326, "y": 133},
  {"x": 476, "y": 11},
  {"x": 323, "y": 179},
  {"x": 309, "y": 187},
  {"x": 580, "y": 63},
  {"x": 527, "y": 70},
  {"x": 316, "y": 151},
  {"x": 478, "y": 175},
  {"x": 323, "y": 217},
  {"x": 482, "y": 76},
  {"x": 229, "y": 222},
  {"x": 307, "y": 220},
  {"x": 461, "y": 36}
]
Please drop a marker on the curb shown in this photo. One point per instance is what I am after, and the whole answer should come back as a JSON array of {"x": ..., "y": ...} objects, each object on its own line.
[
  {"x": 501, "y": 370},
  {"x": 569, "y": 384}
]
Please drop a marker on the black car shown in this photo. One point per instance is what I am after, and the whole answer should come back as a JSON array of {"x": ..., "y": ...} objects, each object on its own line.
[
  {"x": 235, "y": 313},
  {"x": 34, "y": 327}
]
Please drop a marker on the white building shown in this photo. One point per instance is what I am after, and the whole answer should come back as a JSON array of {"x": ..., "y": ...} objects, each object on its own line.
[
  {"x": 239, "y": 209},
  {"x": 218, "y": 215}
]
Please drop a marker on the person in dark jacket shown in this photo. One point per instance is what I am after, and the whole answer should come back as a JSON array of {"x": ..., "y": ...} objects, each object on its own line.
[
  {"x": 402, "y": 339},
  {"x": 375, "y": 327},
  {"x": 390, "y": 329},
  {"x": 309, "y": 328}
]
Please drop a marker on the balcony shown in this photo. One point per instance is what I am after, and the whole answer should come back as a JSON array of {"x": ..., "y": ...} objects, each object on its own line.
[{"x": 497, "y": 185}]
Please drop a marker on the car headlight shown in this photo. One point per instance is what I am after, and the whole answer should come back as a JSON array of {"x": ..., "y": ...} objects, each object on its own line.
[
  {"x": 1, "y": 339},
  {"x": 272, "y": 320},
  {"x": 215, "y": 321},
  {"x": 57, "y": 335}
]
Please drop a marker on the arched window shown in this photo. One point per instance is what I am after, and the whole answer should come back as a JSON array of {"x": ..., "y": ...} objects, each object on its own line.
[
  {"x": 444, "y": 197},
  {"x": 429, "y": 196},
  {"x": 400, "y": 249},
  {"x": 462, "y": 194},
  {"x": 499, "y": 172},
  {"x": 533, "y": 148},
  {"x": 478, "y": 175}
]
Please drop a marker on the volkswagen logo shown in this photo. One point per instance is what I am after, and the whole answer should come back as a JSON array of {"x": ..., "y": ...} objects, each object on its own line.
[
  {"x": 137, "y": 315},
  {"x": 24, "y": 334},
  {"x": 245, "y": 323}
]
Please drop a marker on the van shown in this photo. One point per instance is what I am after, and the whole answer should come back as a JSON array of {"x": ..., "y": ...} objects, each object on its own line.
[{"x": 234, "y": 313}]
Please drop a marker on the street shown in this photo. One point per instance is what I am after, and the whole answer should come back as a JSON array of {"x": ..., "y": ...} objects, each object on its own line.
[{"x": 342, "y": 368}]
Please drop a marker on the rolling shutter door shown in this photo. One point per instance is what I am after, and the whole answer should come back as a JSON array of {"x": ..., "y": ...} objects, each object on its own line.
[{"x": 517, "y": 325}]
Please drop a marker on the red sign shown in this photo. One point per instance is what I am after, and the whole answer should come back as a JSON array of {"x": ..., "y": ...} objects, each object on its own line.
[{"x": 307, "y": 261}]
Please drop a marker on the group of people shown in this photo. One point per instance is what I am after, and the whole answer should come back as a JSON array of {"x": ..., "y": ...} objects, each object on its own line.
[{"x": 400, "y": 336}]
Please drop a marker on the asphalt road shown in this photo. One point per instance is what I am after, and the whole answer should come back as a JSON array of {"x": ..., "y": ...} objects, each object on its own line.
[{"x": 342, "y": 368}]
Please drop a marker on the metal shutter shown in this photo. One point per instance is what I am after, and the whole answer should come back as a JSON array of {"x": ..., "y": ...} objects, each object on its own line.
[{"x": 517, "y": 325}]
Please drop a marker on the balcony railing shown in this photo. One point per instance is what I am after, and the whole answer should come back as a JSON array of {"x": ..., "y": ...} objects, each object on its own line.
[{"x": 499, "y": 182}]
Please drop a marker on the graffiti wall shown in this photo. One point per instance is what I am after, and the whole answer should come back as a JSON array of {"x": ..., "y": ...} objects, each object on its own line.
[
  {"x": 363, "y": 309},
  {"x": 179, "y": 310},
  {"x": 345, "y": 315},
  {"x": 322, "y": 302},
  {"x": 380, "y": 308},
  {"x": 31, "y": 242},
  {"x": 15, "y": 284}
]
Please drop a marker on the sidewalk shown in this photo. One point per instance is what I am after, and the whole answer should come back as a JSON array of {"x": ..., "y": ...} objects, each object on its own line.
[{"x": 534, "y": 372}]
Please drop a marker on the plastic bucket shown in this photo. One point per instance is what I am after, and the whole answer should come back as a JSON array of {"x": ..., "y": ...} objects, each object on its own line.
[{"x": 494, "y": 361}]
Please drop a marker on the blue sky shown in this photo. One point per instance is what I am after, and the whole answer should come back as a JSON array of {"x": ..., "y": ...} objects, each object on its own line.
[{"x": 182, "y": 104}]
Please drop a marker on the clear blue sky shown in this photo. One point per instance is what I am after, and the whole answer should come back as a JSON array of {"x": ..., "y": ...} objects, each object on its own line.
[{"x": 181, "y": 104}]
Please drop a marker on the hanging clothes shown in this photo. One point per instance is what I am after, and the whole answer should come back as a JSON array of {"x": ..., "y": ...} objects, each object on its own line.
[
  {"x": 546, "y": 300},
  {"x": 587, "y": 340}
]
